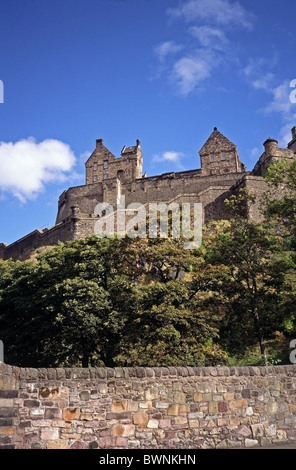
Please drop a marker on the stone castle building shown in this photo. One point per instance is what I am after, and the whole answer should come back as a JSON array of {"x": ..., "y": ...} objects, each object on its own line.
[{"x": 108, "y": 178}]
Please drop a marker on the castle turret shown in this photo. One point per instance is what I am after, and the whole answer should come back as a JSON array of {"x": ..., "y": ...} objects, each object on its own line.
[
  {"x": 272, "y": 153},
  {"x": 270, "y": 146}
]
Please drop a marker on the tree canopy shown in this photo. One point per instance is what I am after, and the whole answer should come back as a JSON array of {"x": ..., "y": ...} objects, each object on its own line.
[{"x": 126, "y": 302}]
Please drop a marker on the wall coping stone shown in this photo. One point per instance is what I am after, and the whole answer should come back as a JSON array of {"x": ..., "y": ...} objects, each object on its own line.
[{"x": 76, "y": 373}]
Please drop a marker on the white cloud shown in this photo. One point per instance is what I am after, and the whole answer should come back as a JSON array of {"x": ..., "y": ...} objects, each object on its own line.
[
  {"x": 189, "y": 72},
  {"x": 26, "y": 166},
  {"x": 259, "y": 76},
  {"x": 209, "y": 37},
  {"x": 207, "y": 21},
  {"x": 220, "y": 12},
  {"x": 280, "y": 103},
  {"x": 166, "y": 48},
  {"x": 169, "y": 156},
  {"x": 280, "y": 100},
  {"x": 264, "y": 82}
]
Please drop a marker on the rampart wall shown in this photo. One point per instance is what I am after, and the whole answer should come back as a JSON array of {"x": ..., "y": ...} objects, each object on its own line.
[{"x": 147, "y": 408}]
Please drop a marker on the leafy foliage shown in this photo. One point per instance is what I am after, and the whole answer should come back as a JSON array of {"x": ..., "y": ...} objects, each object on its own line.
[{"x": 150, "y": 302}]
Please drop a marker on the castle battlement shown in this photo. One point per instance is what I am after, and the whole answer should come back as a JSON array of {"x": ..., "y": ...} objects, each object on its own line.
[{"x": 108, "y": 178}]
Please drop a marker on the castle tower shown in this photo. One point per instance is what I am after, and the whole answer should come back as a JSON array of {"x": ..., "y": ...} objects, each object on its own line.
[
  {"x": 219, "y": 156},
  {"x": 272, "y": 153},
  {"x": 292, "y": 143},
  {"x": 102, "y": 165}
]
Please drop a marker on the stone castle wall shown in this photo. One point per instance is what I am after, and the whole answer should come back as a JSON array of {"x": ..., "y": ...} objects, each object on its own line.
[
  {"x": 147, "y": 408},
  {"x": 221, "y": 174},
  {"x": 22, "y": 248}
]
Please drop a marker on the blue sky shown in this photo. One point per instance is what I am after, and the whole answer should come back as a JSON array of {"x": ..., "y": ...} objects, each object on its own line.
[{"x": 162, "y": 71}]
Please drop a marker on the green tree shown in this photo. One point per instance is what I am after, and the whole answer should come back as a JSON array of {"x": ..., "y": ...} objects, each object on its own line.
[
  {"x": 63, "y": 309},
  {"x": 171, "y": 327},
  {"x": 280, "y": 202},
  {"x": 252, "y": 281}
]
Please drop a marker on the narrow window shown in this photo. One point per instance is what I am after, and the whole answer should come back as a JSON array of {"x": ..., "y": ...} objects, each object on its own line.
[
  {"x": 95, "y": 179},
  {"x": 212, "y": 157},
  {"x": 105, "y": 176},
  {"x": 95, "y": 166},
  {"x": 223, "y": 156},
  {"x": 105, "y": 164},
  {"x": 127, "y": 171}
]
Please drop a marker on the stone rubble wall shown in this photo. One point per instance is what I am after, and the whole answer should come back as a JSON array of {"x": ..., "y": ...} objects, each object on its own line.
[{"x": 147, "y": 408}]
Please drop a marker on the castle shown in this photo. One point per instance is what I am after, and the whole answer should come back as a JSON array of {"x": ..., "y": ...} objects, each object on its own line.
[{"x": 108, "y": 178}]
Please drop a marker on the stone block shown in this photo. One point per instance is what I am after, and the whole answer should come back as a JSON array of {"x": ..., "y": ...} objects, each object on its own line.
[
  {"x": 272, "y": 408},
  {"x": 257, "y": 430},
  {"x": 62, "y": 444},
  {"x": 118, "y": 405},
  {"x": 140, "y": 419},
  {"x": 194, "y": 423},
  {"x": 53, "y": 413},
  {"x": 213, "y": 407},
  {"x": 236, "y": 404},
  {"x": 246, "y": 393},
  {"x": 180, "y": 420},
  {"x": 84, "y": 396},
  {"x": 173, "y": 410},
  {"x": 103, "y": 388},
  {"x": 146, "y": 405},
  {"x": 270, "y": 430},
  {"x": 70, "y": 435},
  {"x": 31, "y": 403},
  {"x": 165, "y": 423},
  {"x": 184, "y": 408},
  {"x": 106, "y": 442},
  {"x": 217, "y": 397},
  {"x": 132, "y": 405},
  {"x": 92, "y": 416},
  {"x": 249, "y": 411},
  {"x": 222, "y": 407},
  {"x": 9, "y": 422},
  {"x": 7, "y": 430},
  {"x": 281, "y": 434},
  {"x": 123, "y": 430},
  {"x": 153, "y": 423},
  {"x": 121, "y": 442},
  {"x": 179, "y": 398},
  {"x": 53, "y": 392},
  {"x": 228, "y": 396},
  {"x": 244, "y": 431},
  {"x": 78, "y": 445},
  {"x": 197, "y": 397},
  {"x": 207, "y": 397},
  {"x": 8, "y": 393},
  {"x": 8, "y": 412},
  {"x": 71, "y": 413},
  {"x": 234, "y": 422},
  {"x": 251, "y": 443},
  {"x": 49, "y": 434},
  {"x": 162, "y": 404}
]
